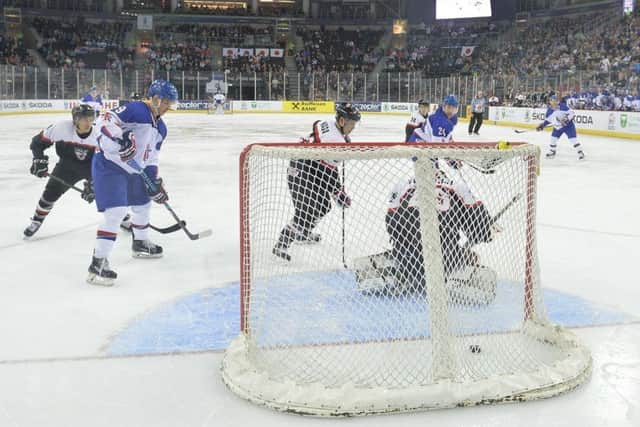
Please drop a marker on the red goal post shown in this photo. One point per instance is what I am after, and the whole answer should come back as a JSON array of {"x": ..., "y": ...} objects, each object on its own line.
[{"x": 313, "y": 342}]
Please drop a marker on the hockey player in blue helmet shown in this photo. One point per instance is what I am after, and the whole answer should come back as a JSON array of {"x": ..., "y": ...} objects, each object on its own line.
[
  {"x": 131, "y": 138},
  {"x": 439, "y": 126},
  {"x": 560, "y": 117}
]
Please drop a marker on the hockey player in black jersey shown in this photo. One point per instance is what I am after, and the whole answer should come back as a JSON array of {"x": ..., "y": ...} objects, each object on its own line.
[
  {"x": 314, "y": 183},
  {"x": 75, "y": 142}
]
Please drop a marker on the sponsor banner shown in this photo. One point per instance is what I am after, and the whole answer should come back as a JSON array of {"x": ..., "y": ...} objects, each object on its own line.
[
  {"x": 627, "y": 122},
  {"x": 192, "y": 105},
  {"x": 17, "y": 105},
  {"x": 107, "y": 104},
  {"x": 399, "y": 107},
  {"x": 245, "y": 51},
  {"x": 308, "y": 106},
  {"x": 262, "y": 51},
  {"x": 366, "y": 107},
  {"x": 46, "y": 105},
  {"x": 257, "y": 106}
]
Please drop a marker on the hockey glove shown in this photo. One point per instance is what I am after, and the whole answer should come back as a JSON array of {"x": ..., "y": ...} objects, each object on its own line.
[
  {"x": 40, "y": 167},
  {"x": 342, "y": 199},
  {"x": 87, "y": 192},
  {"x": 127, "y": 146},
  {"x": 540, "y": 127},
  {"x": 158, "y": 194}
]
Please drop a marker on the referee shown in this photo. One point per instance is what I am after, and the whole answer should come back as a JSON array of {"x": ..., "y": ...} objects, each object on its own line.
[{"x": 477, "y": 109}]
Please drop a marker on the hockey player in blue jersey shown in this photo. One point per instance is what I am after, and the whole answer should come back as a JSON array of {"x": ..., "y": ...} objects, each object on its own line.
[
  {"x": 439, "y": 126},
  {"x": 560, "y": 116},
  {"x": 93, "y": 99},
  {"x": 131, "y": 137}
]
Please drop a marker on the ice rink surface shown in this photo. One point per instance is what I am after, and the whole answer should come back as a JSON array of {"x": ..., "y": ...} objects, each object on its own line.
[{"x": 55, "y": 329}]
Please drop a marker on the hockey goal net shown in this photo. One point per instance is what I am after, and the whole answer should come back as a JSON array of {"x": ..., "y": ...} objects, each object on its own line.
[{"x": 350, "y": 324}]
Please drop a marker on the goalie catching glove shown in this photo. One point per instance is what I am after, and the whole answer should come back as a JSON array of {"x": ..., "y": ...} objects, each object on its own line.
[
  {"x": 342, "y": 199},
  {"x": 40, "y": 167},
  {"x": 157, "y": 193}
]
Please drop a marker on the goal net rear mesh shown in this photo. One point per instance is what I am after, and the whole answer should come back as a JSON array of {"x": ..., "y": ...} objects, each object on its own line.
[{"x": 438, "y": 308}]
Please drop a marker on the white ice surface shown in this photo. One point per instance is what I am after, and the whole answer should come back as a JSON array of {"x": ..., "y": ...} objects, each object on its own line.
[{"x": 53, "y": 326}]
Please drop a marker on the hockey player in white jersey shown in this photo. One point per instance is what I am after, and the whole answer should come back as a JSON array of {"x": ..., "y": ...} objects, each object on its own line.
[
  {"x": 75, "y": 142},
  {"x": 218, "y": 102},
  {"x": 131, "y": 138},
  {"x": 560, "y": 116},
  {"x": 417, "y": 119},
  {"x": 314, "y": 183}
]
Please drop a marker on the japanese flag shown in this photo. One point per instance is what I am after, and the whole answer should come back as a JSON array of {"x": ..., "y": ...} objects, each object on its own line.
[{"x": 467, "y": 50}]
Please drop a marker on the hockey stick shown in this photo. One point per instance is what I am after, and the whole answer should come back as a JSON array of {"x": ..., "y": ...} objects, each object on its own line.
[
  {"x": 162, "y": 230},
  {"x": 505, "y": 208},
  {"x": 520, "y": 131},
  {"x": 180, "y": 223},
  {"x": 480, "y": 169},
  {"x": 65, "y": 183}
]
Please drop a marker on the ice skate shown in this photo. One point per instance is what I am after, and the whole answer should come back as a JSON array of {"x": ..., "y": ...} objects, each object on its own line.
[
  {"x": 32, "y": 228},
  {"x": 100, "y": 273},
  {"x": 580, "y": 155},
  {"x": 146, "y": 249},
  {"x": 550, "y": 154}
]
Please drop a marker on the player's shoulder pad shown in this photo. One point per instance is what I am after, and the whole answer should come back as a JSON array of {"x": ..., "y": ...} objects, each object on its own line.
[{"x": 134, "y": 112}]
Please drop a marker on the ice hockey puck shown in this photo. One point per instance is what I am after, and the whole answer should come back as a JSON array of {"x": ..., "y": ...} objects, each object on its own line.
[{"x": 475, "y": 348}]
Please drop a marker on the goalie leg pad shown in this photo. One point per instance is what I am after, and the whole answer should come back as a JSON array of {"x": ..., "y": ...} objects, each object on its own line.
[
  {"x": 376, "y": 274},
  {"x": 472, "y": 285}
]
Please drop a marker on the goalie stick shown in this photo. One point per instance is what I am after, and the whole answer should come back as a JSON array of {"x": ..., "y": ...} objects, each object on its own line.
[{"x": 162, "y": 230}]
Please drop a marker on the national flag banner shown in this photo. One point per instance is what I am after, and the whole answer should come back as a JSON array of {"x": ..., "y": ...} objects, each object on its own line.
[
  {"x": 467, "y": 50},
  {"x": 262, "y": 51},
  {"x": 277, "y": 53},
  {"x": 245, "y": 51},
  {"x": 229, "y": 51}
]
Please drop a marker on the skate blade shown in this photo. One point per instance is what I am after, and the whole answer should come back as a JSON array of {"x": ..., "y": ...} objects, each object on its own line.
[
  {"x": 145, "y": 255},
  {"x": 94, "y": 279}
]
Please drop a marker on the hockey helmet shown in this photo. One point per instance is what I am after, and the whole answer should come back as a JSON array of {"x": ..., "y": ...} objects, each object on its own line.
[
  {"x": 135, "y": 96},
  {"x": 348, "y": 111},
  {"x": 450, "y": 100},
  {"x": 81, "y": 111},
  {"x": 164, "y": 89},
  {"x": 423, "y": 102}
]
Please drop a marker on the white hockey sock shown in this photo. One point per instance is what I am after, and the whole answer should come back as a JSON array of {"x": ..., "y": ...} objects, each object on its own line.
[
  {"x": 108, "y": 231},
  {"x": 554, "y": 143},
  {"x": 140, "y": 216},
  {"x": 576, "y": 144}
]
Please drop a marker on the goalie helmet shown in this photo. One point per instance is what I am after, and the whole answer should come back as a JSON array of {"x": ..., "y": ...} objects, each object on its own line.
[
  {"x": 83, "y": 110},
  {"x": 348, "y": 111}
]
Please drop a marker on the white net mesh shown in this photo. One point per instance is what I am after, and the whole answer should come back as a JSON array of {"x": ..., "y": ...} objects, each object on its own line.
[{"x": 421, "y": 292}]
